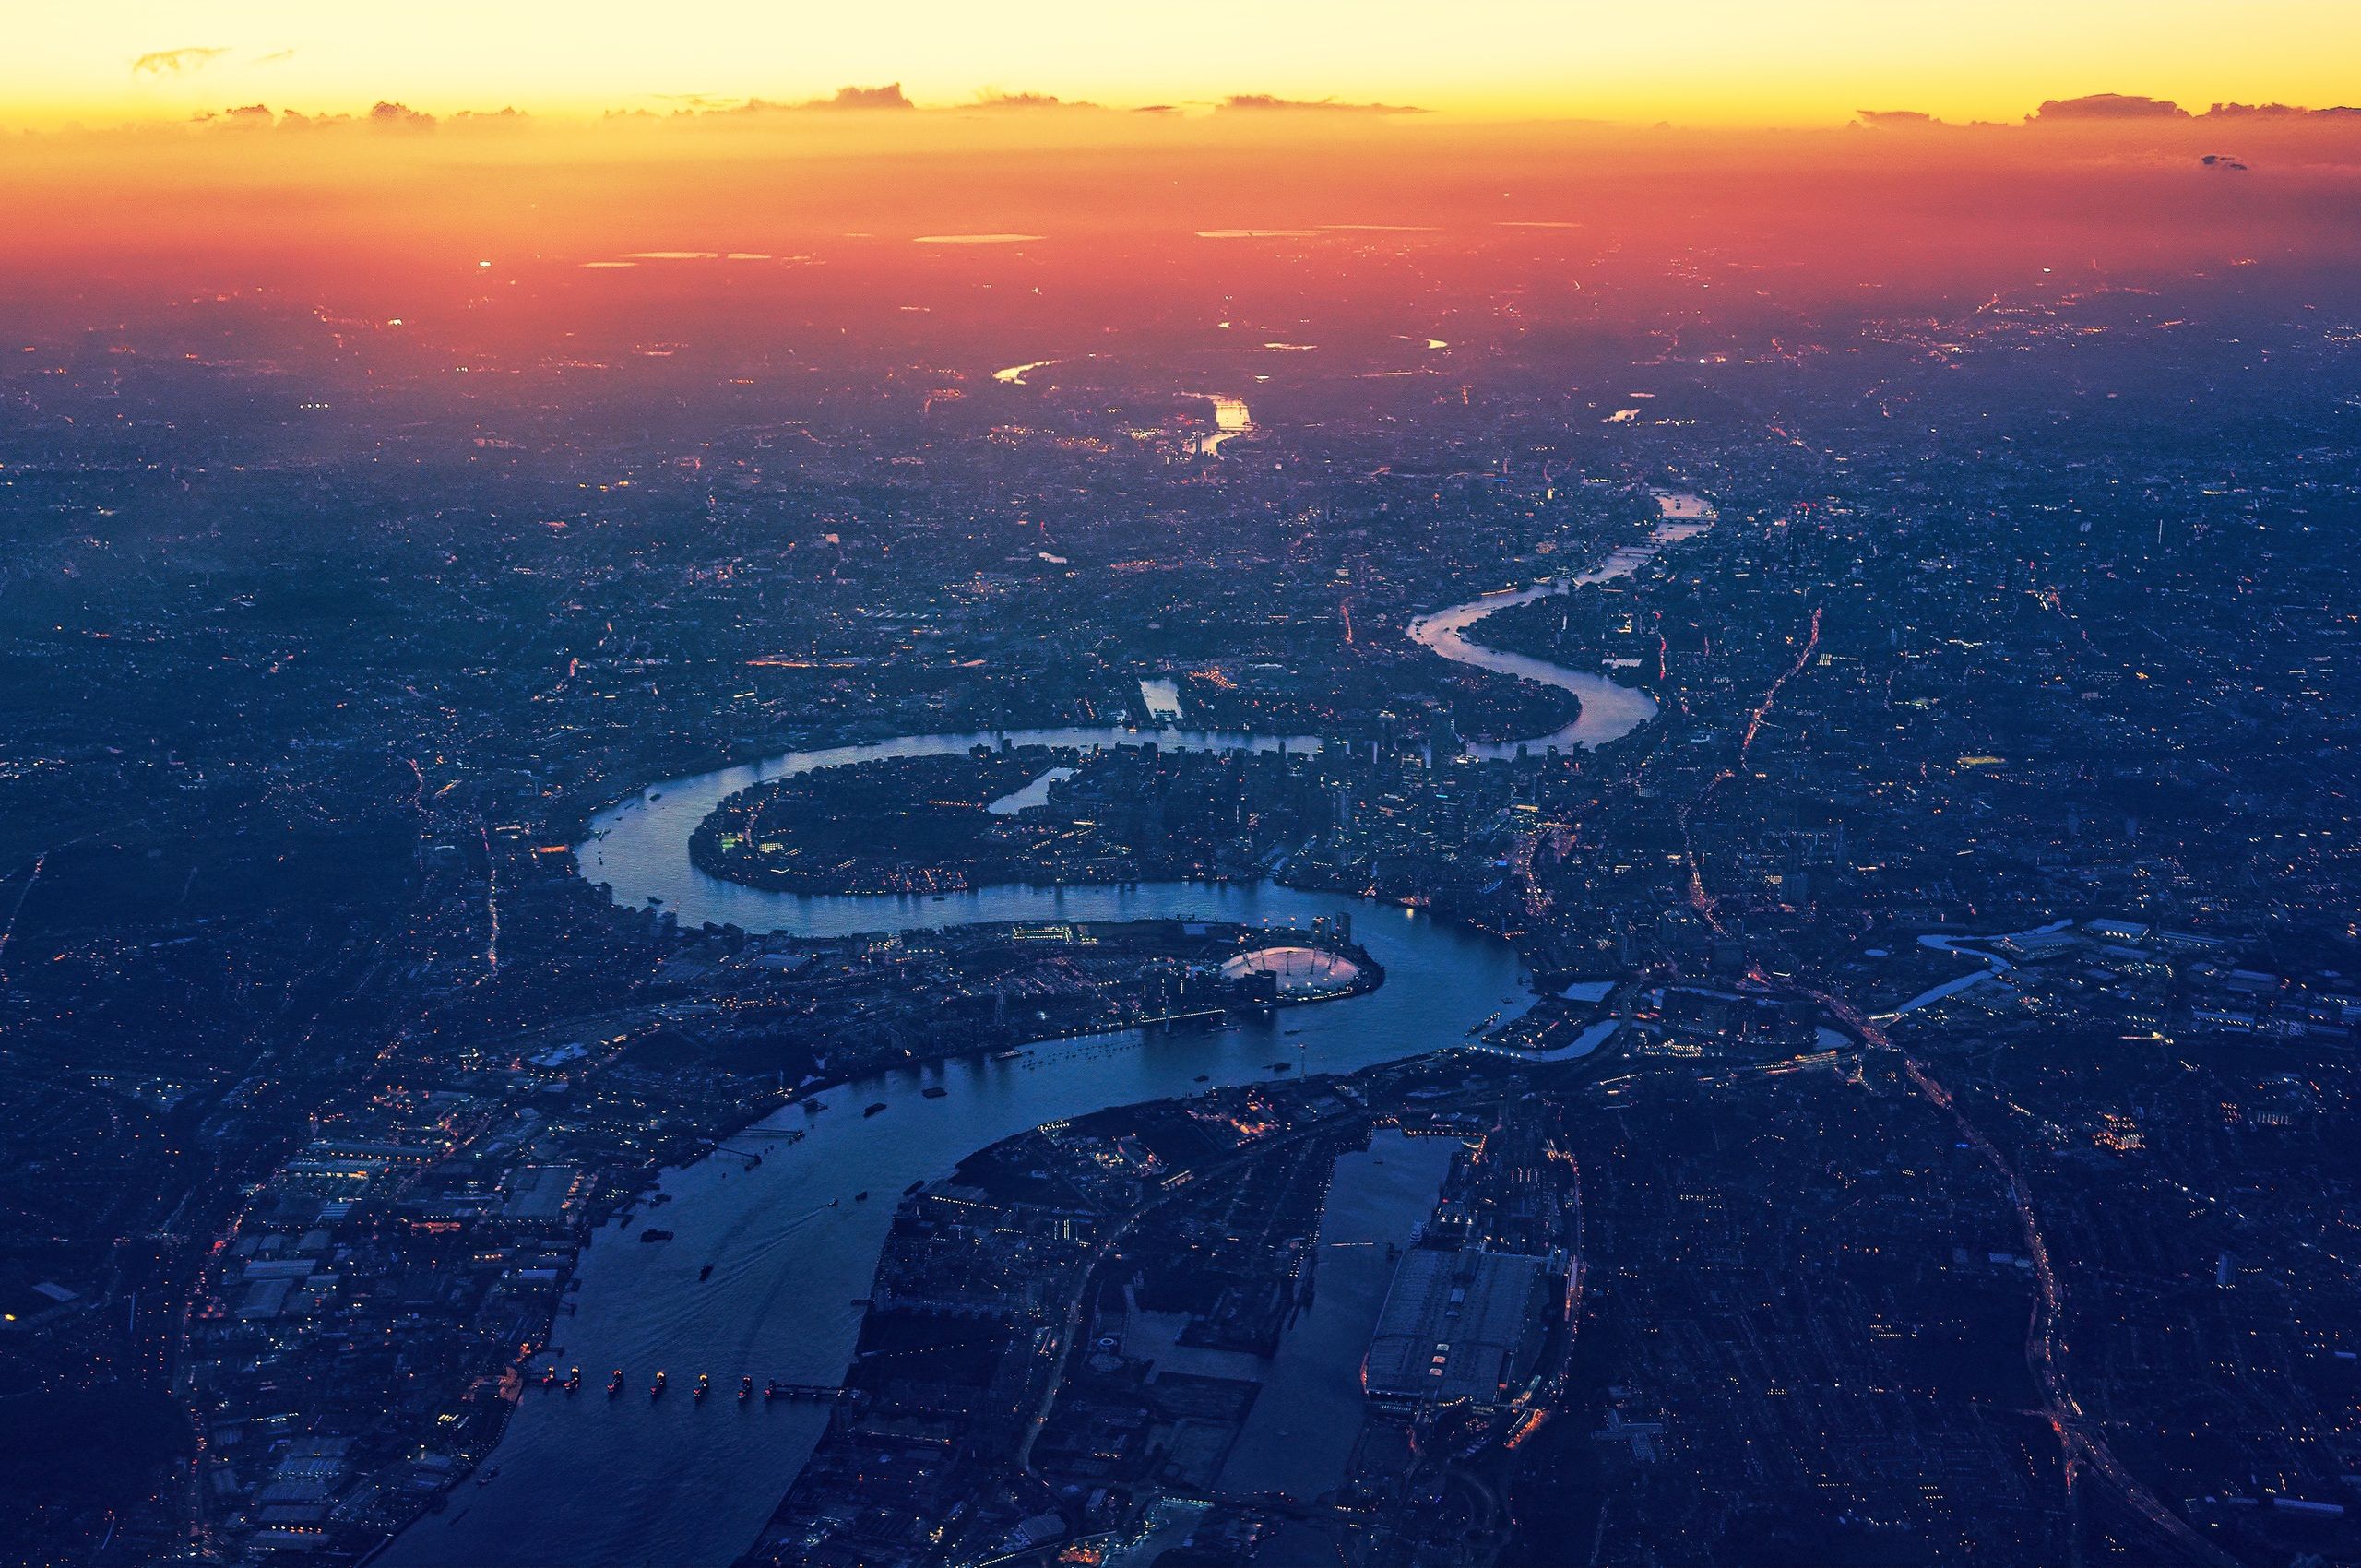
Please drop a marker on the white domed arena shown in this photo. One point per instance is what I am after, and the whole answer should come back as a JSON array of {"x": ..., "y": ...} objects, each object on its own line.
[{"x": 1302, "y": 971}]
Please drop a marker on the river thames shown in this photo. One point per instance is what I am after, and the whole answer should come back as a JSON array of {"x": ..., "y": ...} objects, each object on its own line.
[{"x": 589, "y": 1479}]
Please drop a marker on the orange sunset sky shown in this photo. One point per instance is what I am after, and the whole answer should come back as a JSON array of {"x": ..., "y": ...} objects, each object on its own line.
[{"x": 1701, "y": 61}]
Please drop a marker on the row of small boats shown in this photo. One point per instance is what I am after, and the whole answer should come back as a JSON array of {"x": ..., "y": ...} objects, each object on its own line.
[{"x": 704, "y": 1386}]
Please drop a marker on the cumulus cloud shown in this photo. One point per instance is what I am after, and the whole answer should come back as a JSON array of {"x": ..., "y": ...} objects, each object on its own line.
[
  {"x": 2270, "y": 112},
  {"x": 1896, "y": 119},
  {"x": 398, "y": 117},
  {"x": 890, "y": 96},
  {"x": 2112, "y": 108},
  {"x": 1263, "y": 102},
  {"x": 175, "y": 62},
  {"x": 992, "y": 98},
  {"x": 2108, "y": 106}
]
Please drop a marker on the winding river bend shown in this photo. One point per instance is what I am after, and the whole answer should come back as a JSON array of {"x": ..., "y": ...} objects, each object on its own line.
[
  {"x": 583, "y": 1478},
  {"x": 1610, "y": 710}
]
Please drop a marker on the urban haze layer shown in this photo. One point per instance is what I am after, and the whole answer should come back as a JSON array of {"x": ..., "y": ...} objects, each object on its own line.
[{"x": 1450, "y": 893}]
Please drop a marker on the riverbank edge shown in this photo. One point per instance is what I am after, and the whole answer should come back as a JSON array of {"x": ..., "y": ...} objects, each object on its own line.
[
  {"x": 1370, "y": 1113},
  {"x": 572, "y": 825},
  {"x": 637, "y": 1181}
]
